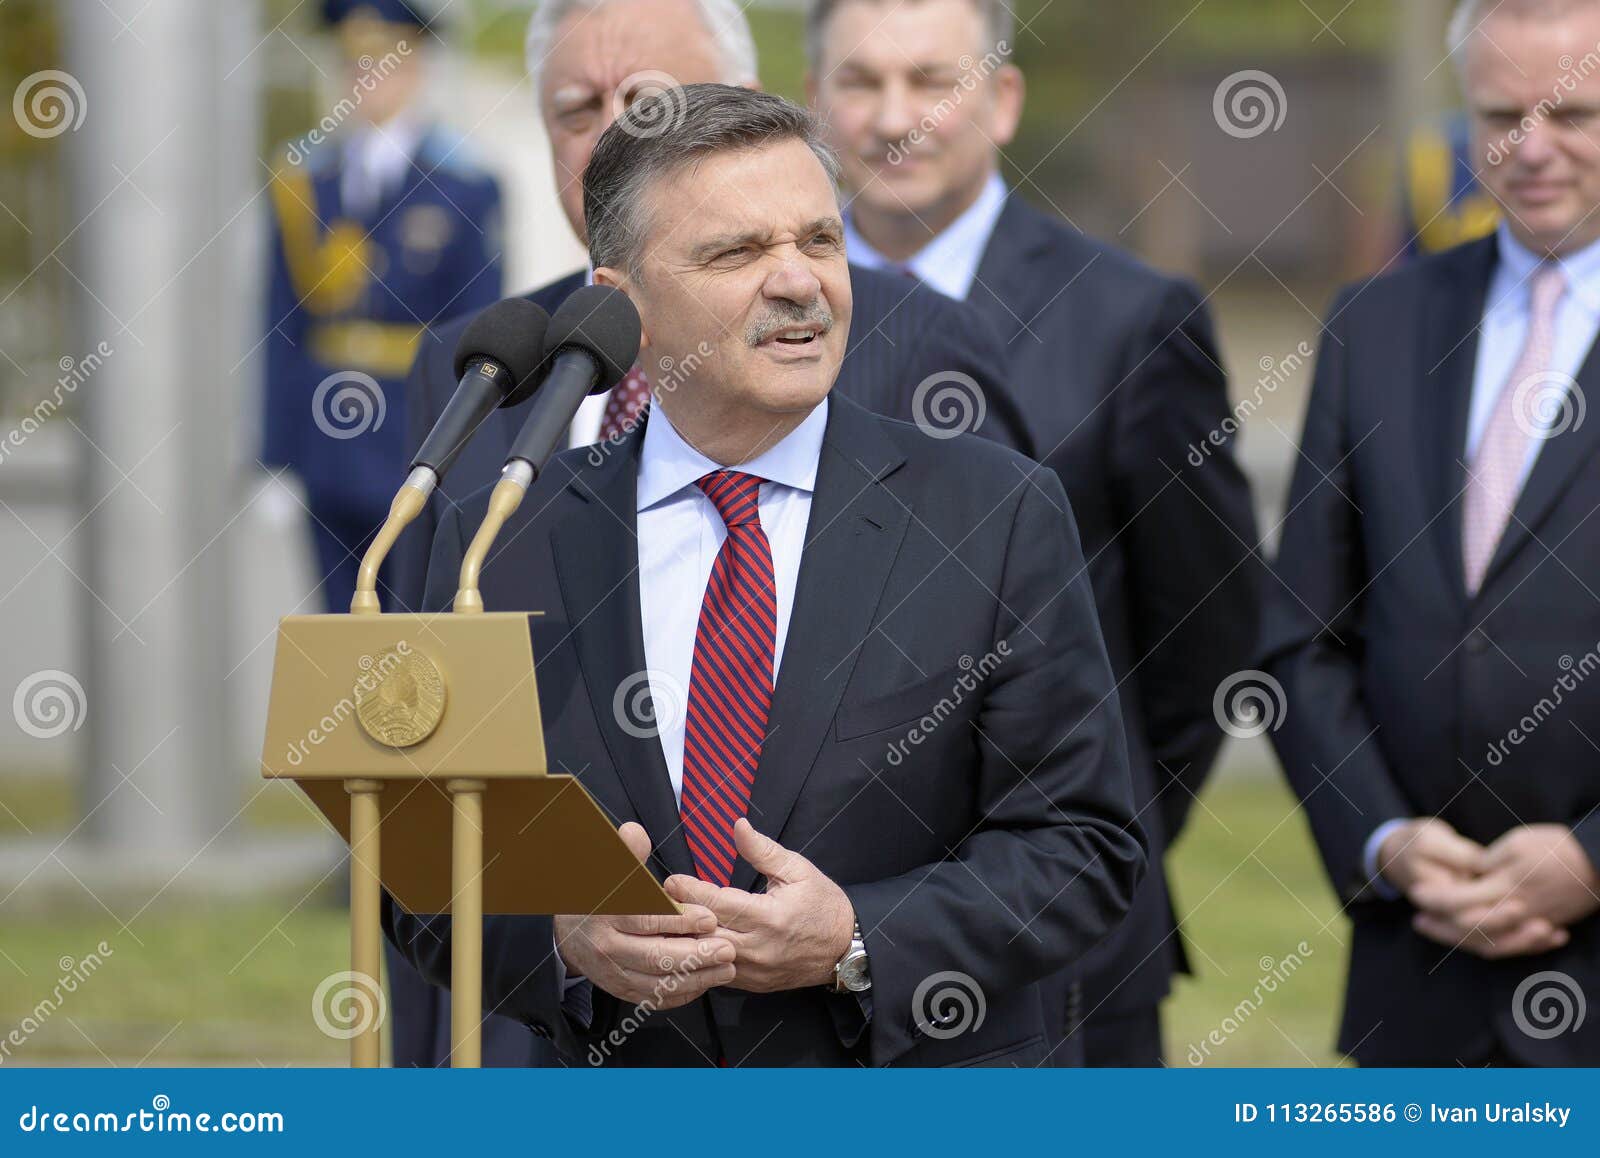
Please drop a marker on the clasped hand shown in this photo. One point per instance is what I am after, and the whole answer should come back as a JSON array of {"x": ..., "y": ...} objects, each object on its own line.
[{"x": 1514, "y": 897}]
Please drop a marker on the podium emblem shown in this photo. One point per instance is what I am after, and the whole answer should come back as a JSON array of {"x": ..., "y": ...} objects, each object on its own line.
[{"x": 404, "y": 703}]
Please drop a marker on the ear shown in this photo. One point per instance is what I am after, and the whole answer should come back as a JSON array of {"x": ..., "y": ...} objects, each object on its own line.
[
  {"x": 1010, "y": 90},
  {"x": 617, "y": 279}
]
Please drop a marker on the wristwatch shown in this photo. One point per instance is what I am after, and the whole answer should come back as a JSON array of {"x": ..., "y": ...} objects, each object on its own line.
[{"x": 851, "y": 973}]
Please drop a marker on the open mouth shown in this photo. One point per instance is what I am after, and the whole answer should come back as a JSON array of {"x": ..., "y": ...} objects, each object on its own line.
[{"x": 796, "y": 336}]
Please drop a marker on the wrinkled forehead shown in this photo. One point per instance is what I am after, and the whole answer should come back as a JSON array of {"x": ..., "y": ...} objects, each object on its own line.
[{"x": 756, "y": 195}]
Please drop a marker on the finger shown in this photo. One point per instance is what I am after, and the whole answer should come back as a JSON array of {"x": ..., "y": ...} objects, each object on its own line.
[
  {"x": 734, "y": 908},
  {"x": 660, "y": 956},
  {"x": 636, "y": 838},
  {"x": 1536, "y": 935},
  {"x": 1440, "y": 929},
  {"x": 693, "y": 921},
  {"x": 767, "y": 856},
  {"x": 1495, "y": 920},
  {"x": 1455, "y": 895},
  {"x": 692, "y": 987},
  {"x": 1439, "y": 842}
]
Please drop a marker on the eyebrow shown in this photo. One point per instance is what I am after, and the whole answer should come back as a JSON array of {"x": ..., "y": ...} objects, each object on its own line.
[{"x": 714, "y": 245}]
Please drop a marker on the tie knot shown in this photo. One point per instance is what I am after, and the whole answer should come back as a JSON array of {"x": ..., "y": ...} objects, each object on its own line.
[
  {"x": 736, "y": 495},
  {"x": 1549, "y": 282}
]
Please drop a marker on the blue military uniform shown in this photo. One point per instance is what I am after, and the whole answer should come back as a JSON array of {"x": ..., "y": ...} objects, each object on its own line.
[
  {"x": 377, "y": 232},
  {"x": 353, "y": 285},
  {"x": 1442, "y": 203}
]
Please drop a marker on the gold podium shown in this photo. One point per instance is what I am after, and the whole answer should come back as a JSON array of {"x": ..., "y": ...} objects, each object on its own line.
[{"x": 422, "y": 733}]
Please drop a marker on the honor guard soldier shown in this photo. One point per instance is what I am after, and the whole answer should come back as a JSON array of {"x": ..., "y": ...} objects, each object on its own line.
[{"x": 381, "y": 226}]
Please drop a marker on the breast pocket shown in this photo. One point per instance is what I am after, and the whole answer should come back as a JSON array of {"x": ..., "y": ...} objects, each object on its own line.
[{"x": 936, "y": 698}]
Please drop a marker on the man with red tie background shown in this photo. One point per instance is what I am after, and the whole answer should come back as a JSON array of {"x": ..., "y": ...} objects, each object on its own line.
[
  {"x": 1436, "y": 627},
  {"x": 883, "y": 770}
]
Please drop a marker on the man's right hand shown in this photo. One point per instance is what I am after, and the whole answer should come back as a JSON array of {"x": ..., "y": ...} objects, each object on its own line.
[
  {"x": 1427, "y": 850},
  {"x": 665, "y": 961}
]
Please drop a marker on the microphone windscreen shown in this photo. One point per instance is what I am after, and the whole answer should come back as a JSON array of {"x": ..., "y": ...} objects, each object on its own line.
[
  {"x": 512, "y": 333},
  {"x": 600, "y": 320}
]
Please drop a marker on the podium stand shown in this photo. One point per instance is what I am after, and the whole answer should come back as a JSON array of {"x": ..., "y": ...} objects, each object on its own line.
[{"x": 418, "y": 736}]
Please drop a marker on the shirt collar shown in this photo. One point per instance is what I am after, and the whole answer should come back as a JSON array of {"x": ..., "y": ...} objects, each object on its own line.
[
  {"x": 949, "y": 262},
  {"x": 1518, "y": 262},
  {"x": 668, "y": 464}
]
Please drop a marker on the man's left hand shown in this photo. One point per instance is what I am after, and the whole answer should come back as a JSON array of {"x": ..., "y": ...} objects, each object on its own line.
[{"x": 789, "y": 937}]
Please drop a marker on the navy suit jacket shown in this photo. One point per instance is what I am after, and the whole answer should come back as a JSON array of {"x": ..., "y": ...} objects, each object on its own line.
[
  {"x": 941, "y": 593},
  {"x": 1409, "y": 697},
  {"x": 901, "y": 334},
  {"x": 1120, "y": 382}
]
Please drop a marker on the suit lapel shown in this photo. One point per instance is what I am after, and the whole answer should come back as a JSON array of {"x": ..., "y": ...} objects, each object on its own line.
[
  {"x": 1557, "y": 462},
  {"x": 597, "y": 559},
  {"x": 1454, "y": 311},
  {"x": 1002, "y": 289},
  {"x": 852, "y": 537}
]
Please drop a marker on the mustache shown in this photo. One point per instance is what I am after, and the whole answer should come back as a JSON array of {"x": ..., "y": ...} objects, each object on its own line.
[{"x": 782, "y": 315}]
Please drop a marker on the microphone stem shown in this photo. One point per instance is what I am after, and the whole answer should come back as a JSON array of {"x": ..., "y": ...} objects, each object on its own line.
[
  {"x": 407, "y": 505},
  {"x": 503, "y": 503}
]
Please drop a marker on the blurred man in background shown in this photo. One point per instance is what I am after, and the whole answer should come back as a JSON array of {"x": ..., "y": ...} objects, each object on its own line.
[
  {"x": 590, "y": 61},
  {"x": 1435, "y": 628},
  {"x": 1118, "y": 376},
  {"x": 380, "y": 230},
  {"x": 381, "y": 226}
]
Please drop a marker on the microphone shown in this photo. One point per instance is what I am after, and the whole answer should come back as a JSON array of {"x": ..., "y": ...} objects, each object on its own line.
[
  {"x": 497, "y": 362},
  {"x": 592, "y": 342},
  {"x": 590, "y": 347}
]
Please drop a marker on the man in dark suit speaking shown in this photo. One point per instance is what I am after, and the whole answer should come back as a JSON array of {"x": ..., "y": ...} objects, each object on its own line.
[{"x": 884, "y": 770}]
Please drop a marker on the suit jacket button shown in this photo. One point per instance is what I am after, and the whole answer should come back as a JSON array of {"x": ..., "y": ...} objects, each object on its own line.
[{"x": 1477, "y": 643}]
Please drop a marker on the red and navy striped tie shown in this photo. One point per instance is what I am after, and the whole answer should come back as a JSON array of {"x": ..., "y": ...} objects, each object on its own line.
[{"x": 730, "y": 684}]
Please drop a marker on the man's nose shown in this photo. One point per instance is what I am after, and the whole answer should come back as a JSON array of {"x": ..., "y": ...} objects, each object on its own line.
[
  {"x": 791, "y": 279},
  {"x": 1537, "y": 145},
  {"x": 896, "y": 116}
]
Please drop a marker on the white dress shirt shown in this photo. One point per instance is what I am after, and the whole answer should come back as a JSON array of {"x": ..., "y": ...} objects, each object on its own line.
[
  {"x": 949, "y": 262},
  {"x": 1503, "y": 331},
  {"x": 680, "y": 533}
]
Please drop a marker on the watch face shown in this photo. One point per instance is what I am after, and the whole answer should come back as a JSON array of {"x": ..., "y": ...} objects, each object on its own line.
[{"x": 853, "y": 973}]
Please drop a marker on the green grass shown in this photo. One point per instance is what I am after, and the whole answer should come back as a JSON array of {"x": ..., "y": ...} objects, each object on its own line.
[{"x": 232, "y": 983}]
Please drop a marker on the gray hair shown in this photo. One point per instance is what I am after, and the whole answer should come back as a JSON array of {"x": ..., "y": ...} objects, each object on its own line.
[
  {"x": 999, "y": 24},
  {"x": 724, "y": 20},
  {"x": 1470, "y": 15},
  {"x": 670, "y": 130}
]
